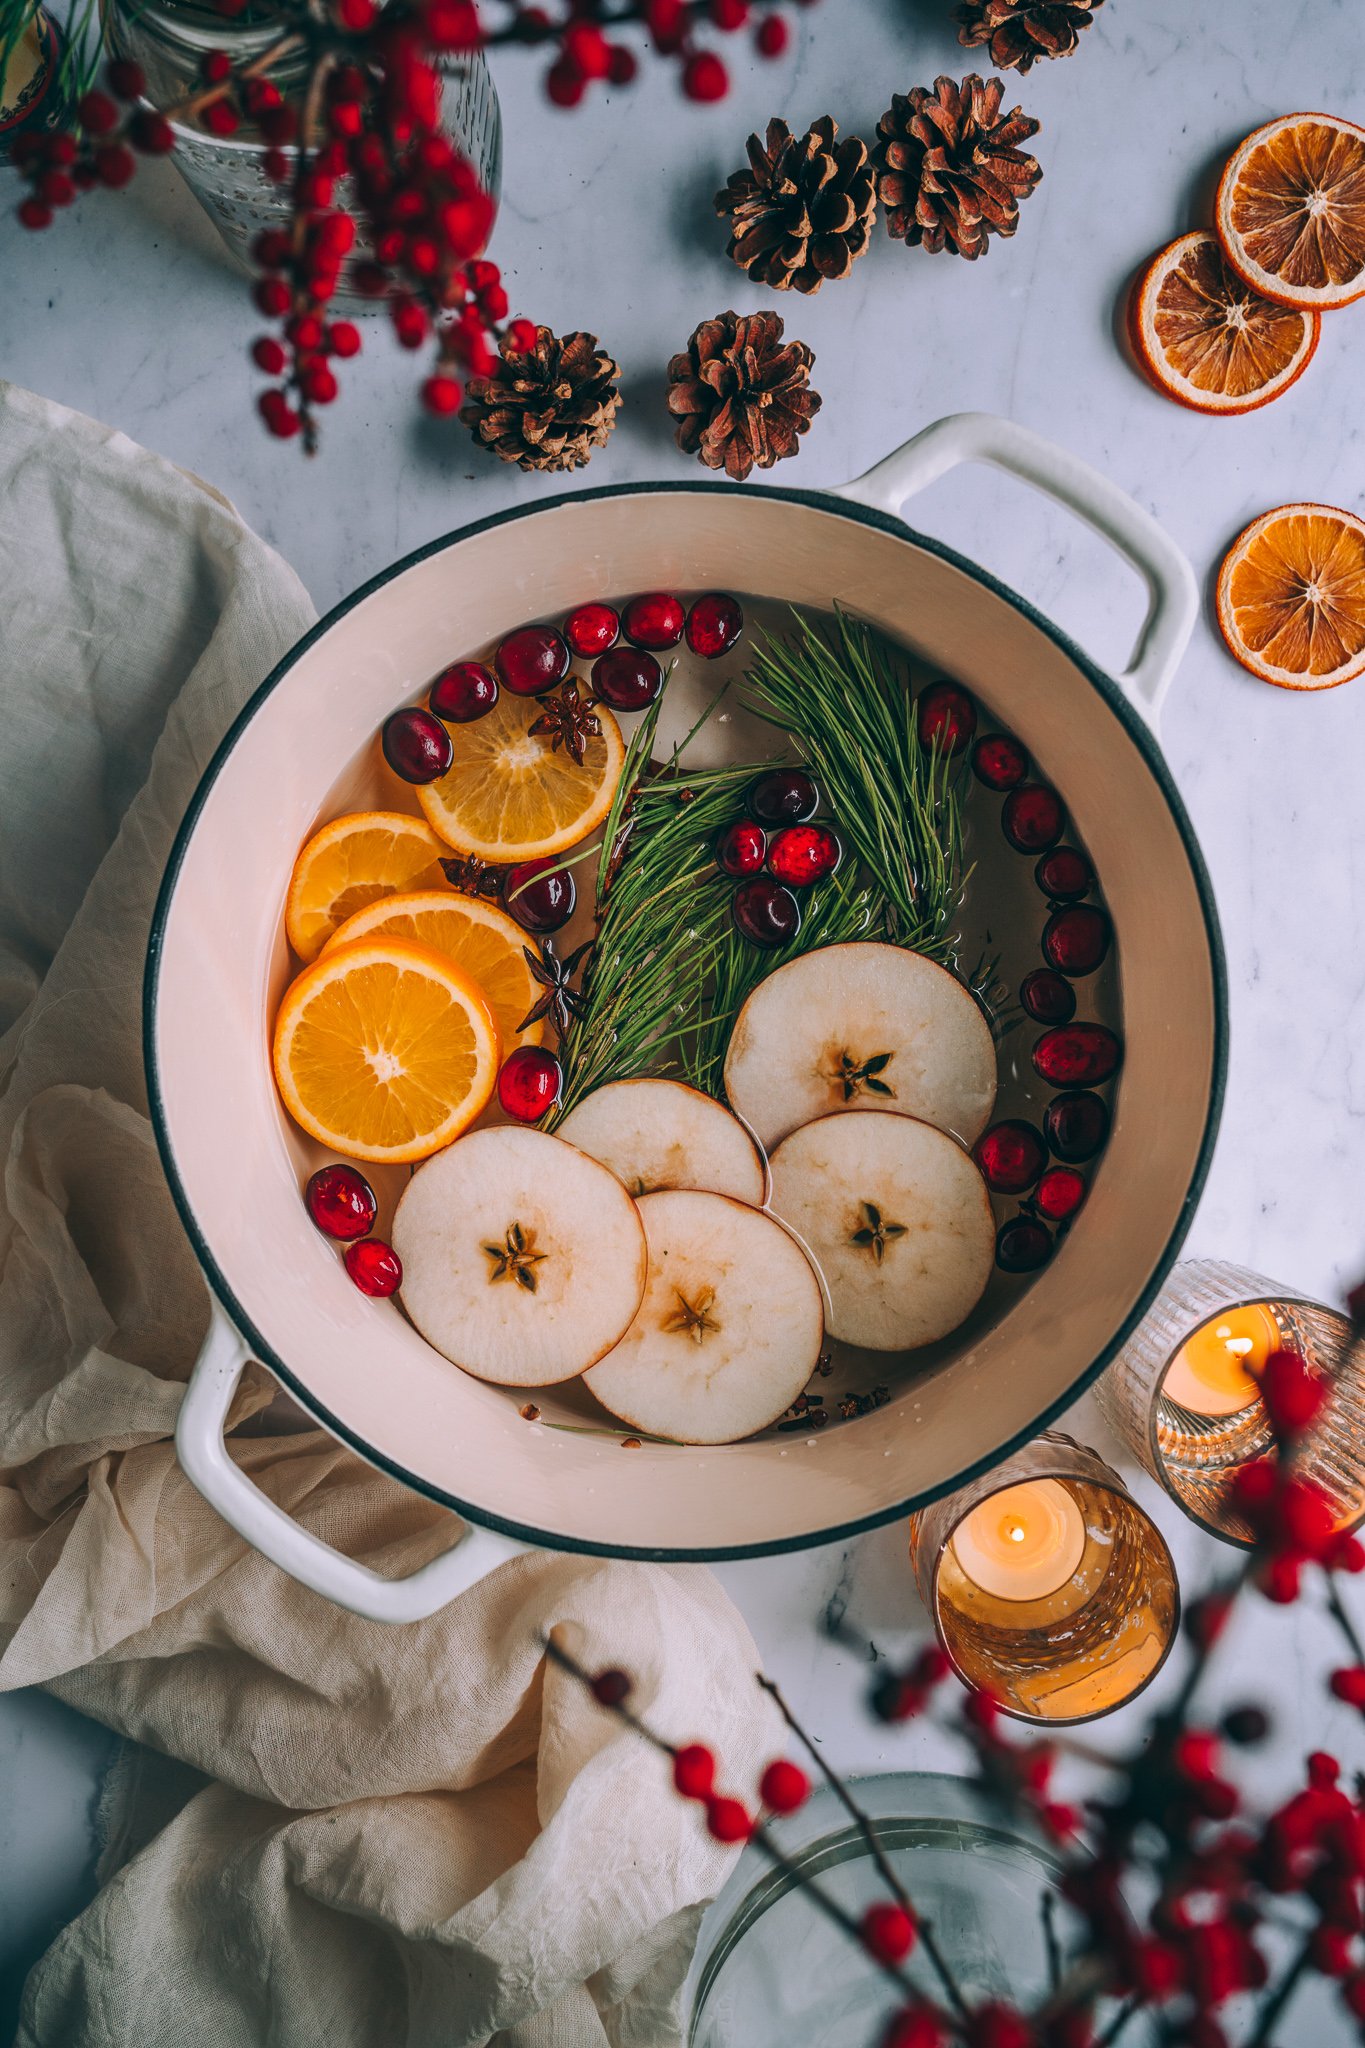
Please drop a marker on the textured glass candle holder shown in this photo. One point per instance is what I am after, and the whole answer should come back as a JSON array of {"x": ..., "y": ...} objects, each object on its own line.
[
  {"x": 1082, "y": 1649},
  {"x": 770, "y": 1971},
  {"x": 1195, "y": 1457}
]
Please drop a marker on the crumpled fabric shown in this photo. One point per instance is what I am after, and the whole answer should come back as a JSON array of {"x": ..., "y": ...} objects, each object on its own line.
[{"x": 335, "y": 1831}]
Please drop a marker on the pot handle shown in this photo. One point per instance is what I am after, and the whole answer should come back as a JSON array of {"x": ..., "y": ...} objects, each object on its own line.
[
  {"x": 1119, "y": 519},
  {"x": 204, "y": 1456}
]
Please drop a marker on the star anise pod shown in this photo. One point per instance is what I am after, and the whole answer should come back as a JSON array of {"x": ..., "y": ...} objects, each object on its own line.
[
  {"x": 561, "y": 1002},
  {"x": 472, "y": 876},
  {"x": 567, "y": 720}
]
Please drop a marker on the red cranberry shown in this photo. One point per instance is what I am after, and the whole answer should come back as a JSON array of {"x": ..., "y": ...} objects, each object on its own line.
[
  {"x": 374, "y": 1266},
  {"x": 529, "y": 1082},
  {"x": 1076, "y": 1125},
  {"x": 416, "y": 745},
  {"x": 999, "y": 761},
  {"x": 591, "y": 630},
  {"x": 463, "y": 692},
  {"x": 946, "y": 718},
  {"x": 786, "y": 797},
  {"x": 765, "y": 912},
  {"x": 1011, "y": 1157},
  {"x": 1059, "y": 1193},
  {"x": 802, "y": 854},
  {"x": 1064, "y": 874},
  {"x": 540, "y": 894},
  {"x": 1076, "y": 938},
  {"x": 1077, "y": 1055},
  {"x": 627, "y": 678},
  {"x": 341, "y": 1202},
  {"x": 1022, "y": 1246},
  {"x": 1047, "y": 998},
  {"x": 532, "y": 660},
  {"x": 741, "y": 849},
  {"x": 654, "y": 621},
  {"x": 714, "y": 623},
  {"x": 1032, "y": 817}
]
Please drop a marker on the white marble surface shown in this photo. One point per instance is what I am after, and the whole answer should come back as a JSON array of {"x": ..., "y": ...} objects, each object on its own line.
[{"x": 127, "y": 312}]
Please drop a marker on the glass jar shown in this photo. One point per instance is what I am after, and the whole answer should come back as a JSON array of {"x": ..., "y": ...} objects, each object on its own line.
[
  {"x": 33, "y": 95},
  {"x": 169, "y": 39},
  {"x": 770, "y": 1971}
]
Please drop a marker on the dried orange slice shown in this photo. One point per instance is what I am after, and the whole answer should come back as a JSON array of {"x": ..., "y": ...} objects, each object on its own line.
[
  {"x": 1290, "y": 211},
  {"x": 1206, "y": 339},
  {"x": 351, "y": 862},
  {"x": 509, "y": 795},
  {"x": 1291, "y": 597},
  {"x": 477, "y": 936},
  {"x": 384, "y": 1050}
]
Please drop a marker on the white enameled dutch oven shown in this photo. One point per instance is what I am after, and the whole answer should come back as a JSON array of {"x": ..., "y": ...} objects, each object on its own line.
[{"x": 218, "y": 963}]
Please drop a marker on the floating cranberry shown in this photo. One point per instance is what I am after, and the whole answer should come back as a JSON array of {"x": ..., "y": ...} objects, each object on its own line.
[
  {"x": 999, "y": 761},
  {"x": 529, "y": 1082},
  {"x": 463, "y": 692},
  {"x": 592, "y": 629},
  {"x": 1032, "y": 817},
  {"x": 786, "y": 797},
  {"x": 1064, "y": 874},
  {"x": 540, "y": 894},
  {"x": 654, "y": 621},
  {"x": 1059, "y": 1193},
  {"x": 714, "y": 623},
  {"x": 1076, "y": 1125},
  {"x": 341, "y": 1202},
  {"x": 741, "y": 849},
  {"x": 1076, "y": 939},
  {"x": 416, "y": 744},
  {"x": 1011, "y": 1157},
  {"x": 532, "y": 660},
  {"x": 802, "y": 854},
  {"x": 374, "y": 1266},
  {"x": 1022, "y": 1246},
  {"x": 1047, "y": 998},
  {"x": 765, "y": 912},
  {"x": 627, "y": 678},
  {"x": 1077, "y": 1055},
  {"x": 946, "y": 717}
]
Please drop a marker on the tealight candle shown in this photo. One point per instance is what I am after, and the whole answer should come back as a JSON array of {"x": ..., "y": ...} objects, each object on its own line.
[
  {"x": 1214, "y": 1371},
  {"x": 1023, "y": 1542}
]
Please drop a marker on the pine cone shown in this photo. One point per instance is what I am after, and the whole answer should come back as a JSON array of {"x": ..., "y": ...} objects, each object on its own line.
[
  {"x": 549, "y": 408},
  {"x": 948, "y": 170},
  {"x": 740, "y": 395},
  {"x": 803, "y": 211},
  {"x": 1021, "y": 31}
]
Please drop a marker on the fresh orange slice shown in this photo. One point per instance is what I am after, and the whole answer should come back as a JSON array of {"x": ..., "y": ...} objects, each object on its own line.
[
  {"x": 384, "y": 1050},
  {"x": 1290, "y": 211},
  {"x": 1291, "y": 597},
  {"x": 509, "y": 795},
  {"x": 1206, "y": 339},
  {"x": 351, "y": 862},
  {"x": 477, "y": 936}
]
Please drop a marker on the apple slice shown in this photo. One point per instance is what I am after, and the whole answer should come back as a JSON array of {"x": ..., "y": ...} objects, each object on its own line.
[
  {"x": 898, "y": 1220},
  {"x": 663, "y": 1134},
  {"x": 862, "y": 1026},
  {"x": 729, "y": 1330},
  {"x": 523, "y": 1259}
]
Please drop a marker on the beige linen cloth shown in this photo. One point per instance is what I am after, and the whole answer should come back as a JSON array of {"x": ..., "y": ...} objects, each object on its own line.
[{"x": 416, "y": 1835}]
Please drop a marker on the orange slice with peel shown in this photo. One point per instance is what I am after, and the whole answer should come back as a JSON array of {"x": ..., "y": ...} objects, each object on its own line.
[
  {"x": 485, "y": 941},
  {"x": 509, "y": 795},
  {"x": 1291, "y": 597},
  {"x": 350, "y": 863},
  {"x": 385, "y": 1051},
  {"x": 1206, "y": 339},
  {"x": 1290, "y": 211}
]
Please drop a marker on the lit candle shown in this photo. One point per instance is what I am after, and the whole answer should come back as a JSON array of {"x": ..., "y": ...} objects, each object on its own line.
[
  {"x": 1022, "y": 1543},
  {"x": 1213, "y": 1373}
]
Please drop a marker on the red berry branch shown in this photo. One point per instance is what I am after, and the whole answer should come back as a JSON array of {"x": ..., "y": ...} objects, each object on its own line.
[{"x": 375, "y": 185}]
